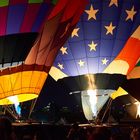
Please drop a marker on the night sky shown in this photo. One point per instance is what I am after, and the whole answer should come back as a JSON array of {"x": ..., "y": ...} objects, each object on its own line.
[{"x": 58, "y": 93}]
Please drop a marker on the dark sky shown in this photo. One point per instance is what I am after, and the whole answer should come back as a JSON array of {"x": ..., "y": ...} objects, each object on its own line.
[{"x": 58, "y": 93}]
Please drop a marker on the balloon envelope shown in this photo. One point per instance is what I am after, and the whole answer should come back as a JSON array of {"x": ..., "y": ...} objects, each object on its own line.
[
  {"x": 105, "y": 40},
  {"x": 26, "y": 79},
  {"x": 21, "y": 23},
  {"x": 101, "y": 34}
]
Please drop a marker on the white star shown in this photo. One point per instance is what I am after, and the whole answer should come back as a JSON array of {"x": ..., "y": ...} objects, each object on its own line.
[
  {"x": 91, "y": 13},
  {"x": 64, "y": 50},
  {"x": 81, "y": 63},
  {"x": 113, "y": 2},
  {"x": 92, "y": 46},
  {"x": 104, "y": 61},
  {"x": 130, "y": 13},
  {"x": 75, "y": 32},
  {"x": 110, "y": 29},
  {"x": 60, "y": 66}
]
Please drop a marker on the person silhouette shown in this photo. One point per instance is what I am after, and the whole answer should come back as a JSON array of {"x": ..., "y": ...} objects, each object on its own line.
[{"x": 6, "y": 129}]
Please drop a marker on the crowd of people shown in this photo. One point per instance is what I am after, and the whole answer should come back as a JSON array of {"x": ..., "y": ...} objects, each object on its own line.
[
  {"x": 103, "y": 133},
  {"x": 74, "y": 132}
]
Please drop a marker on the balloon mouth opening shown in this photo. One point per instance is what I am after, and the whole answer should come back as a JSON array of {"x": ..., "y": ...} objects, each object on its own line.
[
  {"x": 19, "y": 98},
  {"x": 93, "y": 101}
]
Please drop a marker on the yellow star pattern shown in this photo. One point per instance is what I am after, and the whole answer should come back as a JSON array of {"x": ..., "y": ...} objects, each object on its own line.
[
  {"x": 75, "y": 32},
  {"x": 64, "y": 50},
  {"x": 81, "y": 63},
  {"x": 113, "y": 2},
  {"x": 92, "y": 46},
  {"x": 130, "y": 14},
  {"x": 91, "y": 13},
  {"x": 110, "y": 29},
  {"x": 60, "y": 66},
  {"x": 104, "y": 61}
]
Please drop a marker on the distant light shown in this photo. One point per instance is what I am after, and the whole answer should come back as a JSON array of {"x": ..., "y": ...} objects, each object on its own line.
[
  {"x": 74, "y": 92},
  {"x": 138, "y": 109}
]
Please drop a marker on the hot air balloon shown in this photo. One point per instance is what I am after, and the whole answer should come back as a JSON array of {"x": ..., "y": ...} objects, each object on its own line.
[
  {"x": 19, "y": 29},
  {"x": 130, "y": 90},
  {"x": 132, "y": 83},
  {"x": 102, "y": 49},
  {"x": 29, "y": 44}
]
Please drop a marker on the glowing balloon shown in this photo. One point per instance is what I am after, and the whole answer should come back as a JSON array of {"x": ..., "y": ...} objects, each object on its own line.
[
  {"x": 133, "y": 80},
  {"x": 21, "y": 21},
  {"x": 25, "y": 71},
  {"x": 104, "y": 44}
]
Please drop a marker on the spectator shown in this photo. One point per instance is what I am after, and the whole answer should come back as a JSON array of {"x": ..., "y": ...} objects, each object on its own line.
[
  {"x": 6, "y": 132},
  {"x": 135, "y": 134},
  {"x": 100, "y": 134},
  {"x": 76, "y": 133}
]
